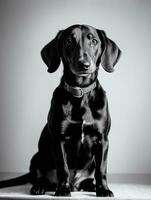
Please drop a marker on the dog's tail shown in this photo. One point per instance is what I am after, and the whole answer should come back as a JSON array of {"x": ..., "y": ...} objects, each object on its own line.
[{"x": 26, "y": 178}]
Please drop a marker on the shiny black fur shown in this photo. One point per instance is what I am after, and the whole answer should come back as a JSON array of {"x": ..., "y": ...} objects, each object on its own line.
[{"x": 73, "y": 147}]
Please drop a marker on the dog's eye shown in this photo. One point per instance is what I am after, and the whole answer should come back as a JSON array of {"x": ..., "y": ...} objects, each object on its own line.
[
  {"x": 92, "y": 38},
  {"x": 94, "y": 42},
  {"x": 68, "y": 41}
]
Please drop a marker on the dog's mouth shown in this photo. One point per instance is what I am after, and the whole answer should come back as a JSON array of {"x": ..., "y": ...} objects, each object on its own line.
[
  {"x": 83, "y": 73},
  {"x": 82, "y": 69}
]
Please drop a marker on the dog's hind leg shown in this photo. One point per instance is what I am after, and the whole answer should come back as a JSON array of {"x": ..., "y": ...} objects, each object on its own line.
[{"x": 43, "y": 164}]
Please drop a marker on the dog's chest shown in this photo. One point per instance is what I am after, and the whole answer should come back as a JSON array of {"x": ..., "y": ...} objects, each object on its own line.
[{"x": 78, "y": 110}]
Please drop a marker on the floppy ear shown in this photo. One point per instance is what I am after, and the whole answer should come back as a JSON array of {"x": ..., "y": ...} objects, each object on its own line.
[
  {"x": 50, "y": 54},
  {"x": 111, "y": 52}
]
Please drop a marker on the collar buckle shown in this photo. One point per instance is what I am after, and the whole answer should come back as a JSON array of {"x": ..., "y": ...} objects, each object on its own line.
[{"x": 77, "y": 92}]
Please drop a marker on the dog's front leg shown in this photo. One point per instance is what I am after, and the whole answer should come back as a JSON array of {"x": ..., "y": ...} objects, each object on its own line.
[
  {"x": 63, "y": 188},
  {"x": 101, "y": 152}
]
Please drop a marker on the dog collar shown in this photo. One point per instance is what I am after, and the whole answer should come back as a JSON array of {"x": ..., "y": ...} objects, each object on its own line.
[{"x": 79, "y": 91}]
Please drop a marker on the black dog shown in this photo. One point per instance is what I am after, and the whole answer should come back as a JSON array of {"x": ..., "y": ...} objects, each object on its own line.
[{"x": 73, "y": 146}]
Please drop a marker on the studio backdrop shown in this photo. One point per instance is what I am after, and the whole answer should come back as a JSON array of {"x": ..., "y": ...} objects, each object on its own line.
[{"x": 26, "y": 88}]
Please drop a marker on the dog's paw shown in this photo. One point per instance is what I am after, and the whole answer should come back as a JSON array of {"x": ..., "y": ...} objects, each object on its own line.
[
  {"x": 37, "y": 190},
  {"x": 63, "y": 190},
  {"x": 104, "y": 192},
  {"x": 40, "y": 186}
]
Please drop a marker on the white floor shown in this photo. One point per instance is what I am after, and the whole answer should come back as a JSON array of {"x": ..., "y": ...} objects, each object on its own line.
[
  {"x": 121, "y": 191},
  {"x": 128, "y": 186}
]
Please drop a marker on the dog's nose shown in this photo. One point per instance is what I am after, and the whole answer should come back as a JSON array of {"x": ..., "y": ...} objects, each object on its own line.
[
  {"x": 83, "y": 61},
  {"x": 84, "y": 65}
]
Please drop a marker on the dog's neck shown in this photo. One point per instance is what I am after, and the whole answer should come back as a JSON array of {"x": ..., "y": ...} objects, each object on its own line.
[{"x": 80, "y": 81}]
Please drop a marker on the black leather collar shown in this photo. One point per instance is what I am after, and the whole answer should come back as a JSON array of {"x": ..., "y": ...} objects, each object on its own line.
[{"x": 79, "y": 91}]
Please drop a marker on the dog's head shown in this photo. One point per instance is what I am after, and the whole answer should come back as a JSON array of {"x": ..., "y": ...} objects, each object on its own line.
[{"x": 81, "y": 48}]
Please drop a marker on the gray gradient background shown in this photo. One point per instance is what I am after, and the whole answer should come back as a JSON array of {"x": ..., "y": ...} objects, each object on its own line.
[{"x": 26, "y": 87}]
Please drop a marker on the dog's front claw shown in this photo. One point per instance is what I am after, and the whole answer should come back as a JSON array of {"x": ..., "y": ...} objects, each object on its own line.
[
  {"x": 104, "y": 192},
  {"x": 37, "y": 190},
  {"x": 40, "y": 186},
  {"x": 63, "y": 190}
]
